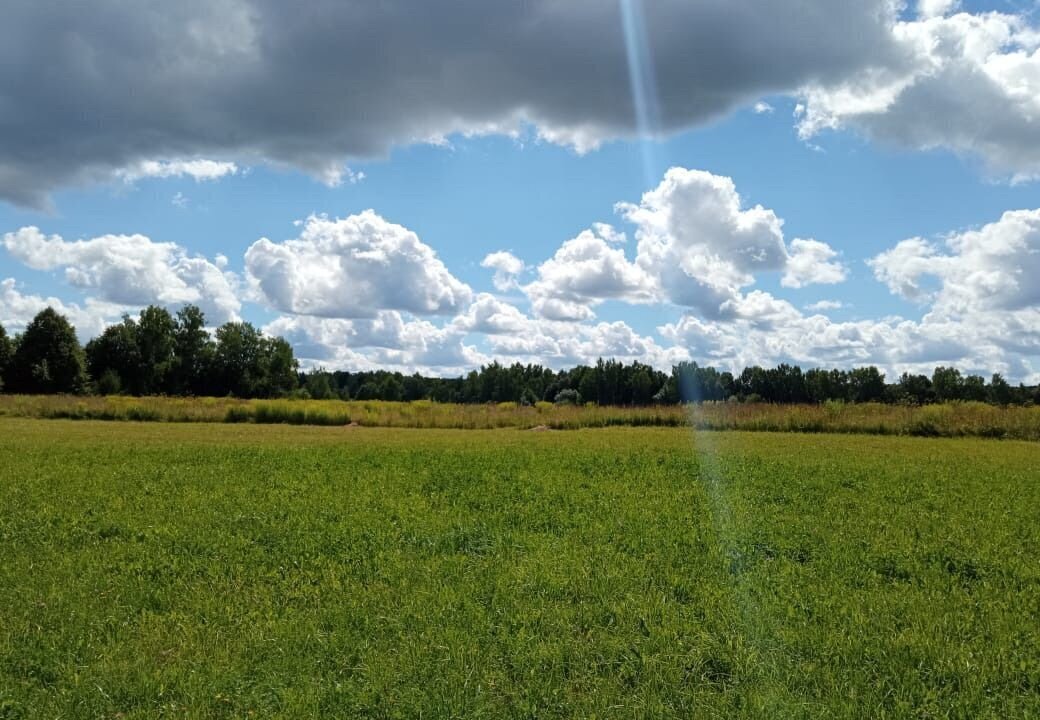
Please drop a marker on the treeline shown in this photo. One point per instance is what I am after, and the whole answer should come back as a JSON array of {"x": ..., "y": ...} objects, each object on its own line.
[
  {"x": 156, "y": 354},
  {"x": 610, "y": 382},
  {"x": 163, "y": 354}
]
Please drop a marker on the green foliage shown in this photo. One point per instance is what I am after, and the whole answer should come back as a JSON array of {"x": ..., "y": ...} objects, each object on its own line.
[
  {"x": 947, "y": 384},
  {"x": 368, "y": 391},
  {"x": 973, "y": 389},
  {"x": 391, "y": 389},
  {"x": 193, "y": 353},
  {"x": 48, "y": 357},
  {"x": 284, "y": 572},
  {"x": 237, "y": 359},
  {"x": 866, "y": 385},
  {"x": 109, "y": 383},
  {"x": 116, "y": 353},
  {"x": 161, "y": 354},
  {"x": 567, "y": 397},
  {"x": 6, "y": 351},
  {"x": 156, "y": 343},
  {"x": 999, "y": 391},
  {"x": 247, "y": 364},
  {"x": 915, "y": 389},
  {"x": 318, "y": 386},
  {"x": 278, "y": 367}
]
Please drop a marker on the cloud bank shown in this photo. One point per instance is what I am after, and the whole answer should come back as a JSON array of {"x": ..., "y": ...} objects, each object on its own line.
[{"x": 106, "y": 90}]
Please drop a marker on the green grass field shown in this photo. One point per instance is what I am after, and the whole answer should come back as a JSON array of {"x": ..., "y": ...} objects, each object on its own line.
[{"x": 235, "y": 571}]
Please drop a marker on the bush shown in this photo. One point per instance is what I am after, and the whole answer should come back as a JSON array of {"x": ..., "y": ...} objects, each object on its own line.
[
  {"x": 109, "y": 383},
  {"x": 568, "y": 397}
]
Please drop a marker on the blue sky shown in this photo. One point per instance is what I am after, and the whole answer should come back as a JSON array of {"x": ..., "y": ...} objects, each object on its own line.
[{"x": 859, "y": 164}]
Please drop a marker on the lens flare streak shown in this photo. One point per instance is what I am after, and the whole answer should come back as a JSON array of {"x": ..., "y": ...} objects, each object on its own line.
[{"x": 643, "y": 83}]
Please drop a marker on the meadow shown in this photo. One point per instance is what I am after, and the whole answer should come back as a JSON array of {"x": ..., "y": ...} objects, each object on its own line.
[
  {"x": 955, "y": 419},
  {"x": 154, "y": 570}
]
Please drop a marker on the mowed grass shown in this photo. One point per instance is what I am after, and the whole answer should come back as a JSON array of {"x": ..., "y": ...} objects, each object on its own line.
[{"x": 235, "y": 571}]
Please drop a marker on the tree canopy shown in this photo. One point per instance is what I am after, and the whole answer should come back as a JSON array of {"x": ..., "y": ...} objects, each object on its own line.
[
  {"x": 6, "y": 349},
  {"x": 47, "y": 357},
  {"x": 156, "y": 353}
]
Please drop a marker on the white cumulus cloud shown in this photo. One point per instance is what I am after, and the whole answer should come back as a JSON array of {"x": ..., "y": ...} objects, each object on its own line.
[
  {"x": 17, "y": 309},
  {"x": 812, "y": 262},
  {"x": 387, "y": 341},
  {"x": 130, "y": 270},
  {"x": 701, "y": 245},
  {"x": 507, "y": 267},
  {"x": 996, "y": 267},
  {"x": 199, "y": 169},
  {"x": 585, "y": 271},
  {"x": 352, "y": 268}
]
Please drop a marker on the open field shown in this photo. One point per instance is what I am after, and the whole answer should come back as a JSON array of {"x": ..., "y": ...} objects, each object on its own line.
[
  {"x": 234, "y": 571},
  {"x": 949, "y": 420}
]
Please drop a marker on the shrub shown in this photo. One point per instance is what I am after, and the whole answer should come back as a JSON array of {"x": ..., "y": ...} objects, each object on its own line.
[
  {"x": 568, "y": 397},
  {"x": 109, "y": 383}
]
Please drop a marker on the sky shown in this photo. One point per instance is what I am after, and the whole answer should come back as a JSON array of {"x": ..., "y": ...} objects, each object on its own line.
[{"x": 427, "y": 186}]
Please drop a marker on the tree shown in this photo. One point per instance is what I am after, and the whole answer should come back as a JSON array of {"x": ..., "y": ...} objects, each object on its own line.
[
  {"x": 946, "y": 382},
  {"x": 641, "y": 386},
  {"x": 115, "y": 356},
  {"x": 156, "y": 342},
  {"x": 318, "y": 385},
  {"x": 236, "y": 360},
  {"x": 368, "y": 391},
  {"x": 391, "y": 389},
  {"x": 48, "y": 358},
  {"x": 588, "y": 386},
  {"x": 999, "y": 390},
  {"x": 786, "y": 384},
  {"x": 414, "y": 387},
  {"x": 916, "y": 389},
  {"x": 754, "y": 381},
  {"x": 6, "y": 350},
  {"x": 278, "y": 368},
  {"x": 247, "y": 364},
  {"x": 974, "y": 388},
  {"x": 866, "y": 385},
  {"x": 819, "y": 388},
  {"x": 193, "y": 353}
]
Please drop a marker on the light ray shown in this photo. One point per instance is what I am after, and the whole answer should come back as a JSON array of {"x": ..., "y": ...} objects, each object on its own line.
[{"x": 643, "y": 82}]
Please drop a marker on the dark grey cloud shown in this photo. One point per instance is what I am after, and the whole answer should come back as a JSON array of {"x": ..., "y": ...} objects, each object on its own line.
[
  {"x": 87, "y": 89},
  {"x": 965, "y": 82}
]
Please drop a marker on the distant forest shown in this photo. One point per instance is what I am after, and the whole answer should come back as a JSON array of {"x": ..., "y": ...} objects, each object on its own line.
[{"x": 160, "y": 353}]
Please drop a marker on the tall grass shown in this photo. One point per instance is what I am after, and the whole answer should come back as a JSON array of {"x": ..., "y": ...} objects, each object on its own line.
[{"x": 949, "y": 420}]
